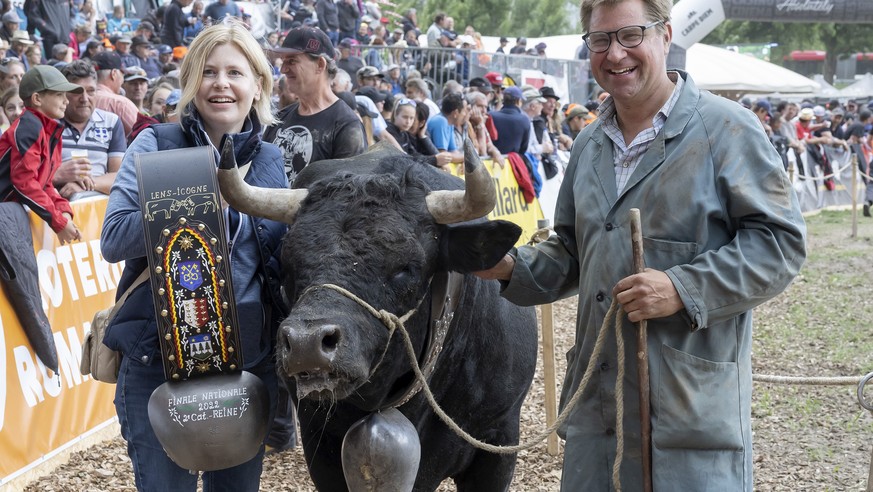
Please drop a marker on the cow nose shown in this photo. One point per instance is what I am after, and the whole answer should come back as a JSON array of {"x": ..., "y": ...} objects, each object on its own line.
[{"x": 309, "y": 348}]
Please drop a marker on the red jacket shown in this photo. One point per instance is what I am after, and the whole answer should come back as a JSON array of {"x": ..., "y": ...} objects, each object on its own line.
[{"x": 30, "y": 154}]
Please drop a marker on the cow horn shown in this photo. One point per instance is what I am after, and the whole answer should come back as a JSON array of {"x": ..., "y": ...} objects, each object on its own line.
[
  {"x": 270, "y": 203},
  {"x": 477, "y": 200}
]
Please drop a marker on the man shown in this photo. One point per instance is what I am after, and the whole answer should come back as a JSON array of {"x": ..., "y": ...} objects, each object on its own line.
[
  {"x": 761, "y": 109},
  {"x": 858, "y": 138},
  {"x": 503, "y": 43},
  {"x": 480, "y": 132},
  {"x": 520, "y": 46},
  {"x": 496, "y": 81},
  {"x": 51, "y": 18},
  {"x": 368, "y": 76},
  {"x": 723, "y": 233},
  {"x": 455, "y": 111},
  {"x": 348, "y": 16},
  {"x": 122, "y": 47},
  {"x": 175, "y": 22},
  {"x": 577, "y": 117},
  {"x": 513, "y": 127},
  {"x": 286, "y": 97},
  {"x": 135, "y": 86},
  {"x": 328, "y": 19},
  {"x": 319, "y": 126},
  {"x": 145, "y": 30},
  {"x": 165, "y": 55},
  {"x": 142, "y": 52},
  {"x": 396, "y": 36},
  {"x": 221, "y": 9},
  {"x": 11, "y": 21},
  {"x": 94, "y": 131},
  {"x": 108, "y": 96},
  {"x": 417, "y": 90},
  {"x": 540, "y": 48},
  {"x": 348, "y": 62},
  {"x": 60, "y": 53},
  {"x": 436, "y": 30},
  {"x": 20, "y": 42}
]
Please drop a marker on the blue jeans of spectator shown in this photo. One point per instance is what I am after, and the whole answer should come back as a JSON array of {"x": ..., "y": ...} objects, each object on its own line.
[
  {"x": 153, "y": 469},
  {"x": 334, "y": 37}
]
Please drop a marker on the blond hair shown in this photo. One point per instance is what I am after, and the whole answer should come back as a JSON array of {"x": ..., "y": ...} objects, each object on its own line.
[
  {"x": 233, "y": 33},
  {"x": 656, "y": 10}
]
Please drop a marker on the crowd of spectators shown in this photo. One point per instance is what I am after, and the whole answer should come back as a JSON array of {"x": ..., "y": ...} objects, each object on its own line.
[{"x": 817, "y": 131}]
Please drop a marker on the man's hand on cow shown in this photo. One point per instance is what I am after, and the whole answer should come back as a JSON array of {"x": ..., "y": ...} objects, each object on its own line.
[
  {"x": 647, "y": 295},
  {"x": 500, "y": 271}
]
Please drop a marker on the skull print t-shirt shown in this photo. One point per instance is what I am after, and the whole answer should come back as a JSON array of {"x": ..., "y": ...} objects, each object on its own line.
[{"x": 334, "y": 133}]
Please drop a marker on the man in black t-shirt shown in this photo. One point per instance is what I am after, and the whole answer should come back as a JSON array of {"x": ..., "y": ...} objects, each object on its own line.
[{"x": 319, "y": 126}]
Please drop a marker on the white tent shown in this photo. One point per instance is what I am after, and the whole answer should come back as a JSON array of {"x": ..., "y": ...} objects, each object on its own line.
[
  {"x": 861, "y": 88},
  {"x": 718, "y": 69}
]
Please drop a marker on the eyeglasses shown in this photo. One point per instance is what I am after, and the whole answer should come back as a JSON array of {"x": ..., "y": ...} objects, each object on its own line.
[{"x": 629, "y": 37}]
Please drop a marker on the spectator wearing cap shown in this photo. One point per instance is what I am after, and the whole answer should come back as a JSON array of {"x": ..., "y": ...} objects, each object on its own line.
[
  {"x": 220, "y": 9},
  {"x": 532, "y": 107},
  {"x": 436, "y": 29},
  {"x": 93, "y": 130},
  {"x": 175, "y": 22},
  {"x": 368, "y": 76},
  {"x": 503, "y": 43},
  {"x": 395, "y": 37},
  {"x": 136, "y": 85},
  {"x": 348, "y": 16},
  {"x": 319, "y": 125},
  {"x": 762, "y": 108},
  {"x": 30, "y": 151},
  {"x": 145, "y": 30},
  {"x": 11, "y": 22},
  {"x": 395, "y": 78},
  {"x": 328, "y": 19},
  {"x": 122, "y": 47},
  {"x": 165, "y": 55},
  {"x": 513, "y": 127},
  {"x": 454, "y": 111},
  {"x": 348, "y": 61},
  {"x": 540, "y": 49},
  {"x": 578, "y": 117},
  {"x": 142, "y": 51},
  {"x": 520, "y": 46},
  {"x": 53, "y": 20},
  {"x": 496, "y": 81},
  {"x": 20, "y": 42},
  {"x": 858, "y": 137},
  {"x": 110, "y": 78},
  {"x": 373, "y": 100}
]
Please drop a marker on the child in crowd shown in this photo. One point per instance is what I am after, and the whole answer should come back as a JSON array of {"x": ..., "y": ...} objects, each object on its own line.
[{"x": 30, "y": 151}]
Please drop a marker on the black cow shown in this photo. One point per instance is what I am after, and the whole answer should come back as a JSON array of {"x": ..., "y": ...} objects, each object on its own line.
[{"x": 377, "y": 225}]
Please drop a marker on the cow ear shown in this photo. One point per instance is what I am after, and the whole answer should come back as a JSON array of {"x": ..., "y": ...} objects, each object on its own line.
[{"x": 469, "y": 248}]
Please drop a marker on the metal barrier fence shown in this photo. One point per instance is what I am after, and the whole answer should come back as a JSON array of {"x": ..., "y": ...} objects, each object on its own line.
[{"x": 439, "y": 65}]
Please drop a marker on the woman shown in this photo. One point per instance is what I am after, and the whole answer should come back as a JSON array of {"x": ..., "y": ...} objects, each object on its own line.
[
  {"x": 409, "y": 128},
  {"x": 12, "y": 106},
  {"x": 226, "y": 91}
]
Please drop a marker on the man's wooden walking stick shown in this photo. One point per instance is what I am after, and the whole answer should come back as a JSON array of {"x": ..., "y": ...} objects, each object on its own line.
[{"x": 642, "y": 357}]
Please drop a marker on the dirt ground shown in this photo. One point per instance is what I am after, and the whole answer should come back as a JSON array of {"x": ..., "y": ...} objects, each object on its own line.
[{"x": 806, "y": 438}]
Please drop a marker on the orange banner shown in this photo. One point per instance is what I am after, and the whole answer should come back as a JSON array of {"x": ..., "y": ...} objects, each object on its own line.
[{"x": 41, "y": 413}]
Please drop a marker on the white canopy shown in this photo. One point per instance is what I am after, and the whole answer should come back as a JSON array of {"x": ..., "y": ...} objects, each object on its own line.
[
  {"x": 861, "y": 88},
  {"x": 718, "y": 69}
]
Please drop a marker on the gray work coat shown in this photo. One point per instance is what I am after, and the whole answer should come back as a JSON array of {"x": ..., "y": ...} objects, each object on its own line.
[{"x": 721, "y": 219}]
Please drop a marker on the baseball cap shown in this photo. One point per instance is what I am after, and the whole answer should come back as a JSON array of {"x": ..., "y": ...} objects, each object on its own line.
[
  {"x": 495, "y": 78},
  {"x": 107, "y": 60},
  {"x": 514, "y": 92},
  {"x": 11, "y": 16},
  {"x": 45, "y": 78},
  {"x": 134, "y": 73},
  {"x": 375, "y": 94},
  {"x": 347, "y": 42},
  {"x": 306, "y": 40},
  {"x": 164, "y": 49},
  {"x": 540, "y": 46},
  {"x": 179, "y": 52},
  {"x": 146, "y": 26},
  {"x": 806, "y": 114},
  {"x": 503, "y": 39},
  {"x": 398, "y": 30},
  {"x": 532, "y": 94},
  {"x": 764, "y": 104},
  {"x": 173, "y": 98},
  {"x": 124, "y": 39},
  {"x": 448, "y": 34},
  {"x": 575, "y": 110},
  {"x": 139, "y": 41},
  {"x": 480, "y": 84},
  {"x": 368, "y": 71}
]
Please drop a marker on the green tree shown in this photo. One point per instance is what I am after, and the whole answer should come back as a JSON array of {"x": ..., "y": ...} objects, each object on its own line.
[{"x": 532, "y": 18}]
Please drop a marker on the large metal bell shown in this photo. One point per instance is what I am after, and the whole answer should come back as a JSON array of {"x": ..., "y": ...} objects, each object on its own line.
[
  {"x": 381, "y": 453},
  {"x": 212, "y": 422}
]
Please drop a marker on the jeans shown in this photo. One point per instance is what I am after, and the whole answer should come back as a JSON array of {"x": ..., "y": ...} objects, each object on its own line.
[
  {"x": 153, "y": 470},
  {"x": 334, "y": 37}
]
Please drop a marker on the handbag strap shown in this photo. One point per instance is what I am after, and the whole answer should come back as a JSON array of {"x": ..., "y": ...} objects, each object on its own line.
[{"x": 136, "y": 283}]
